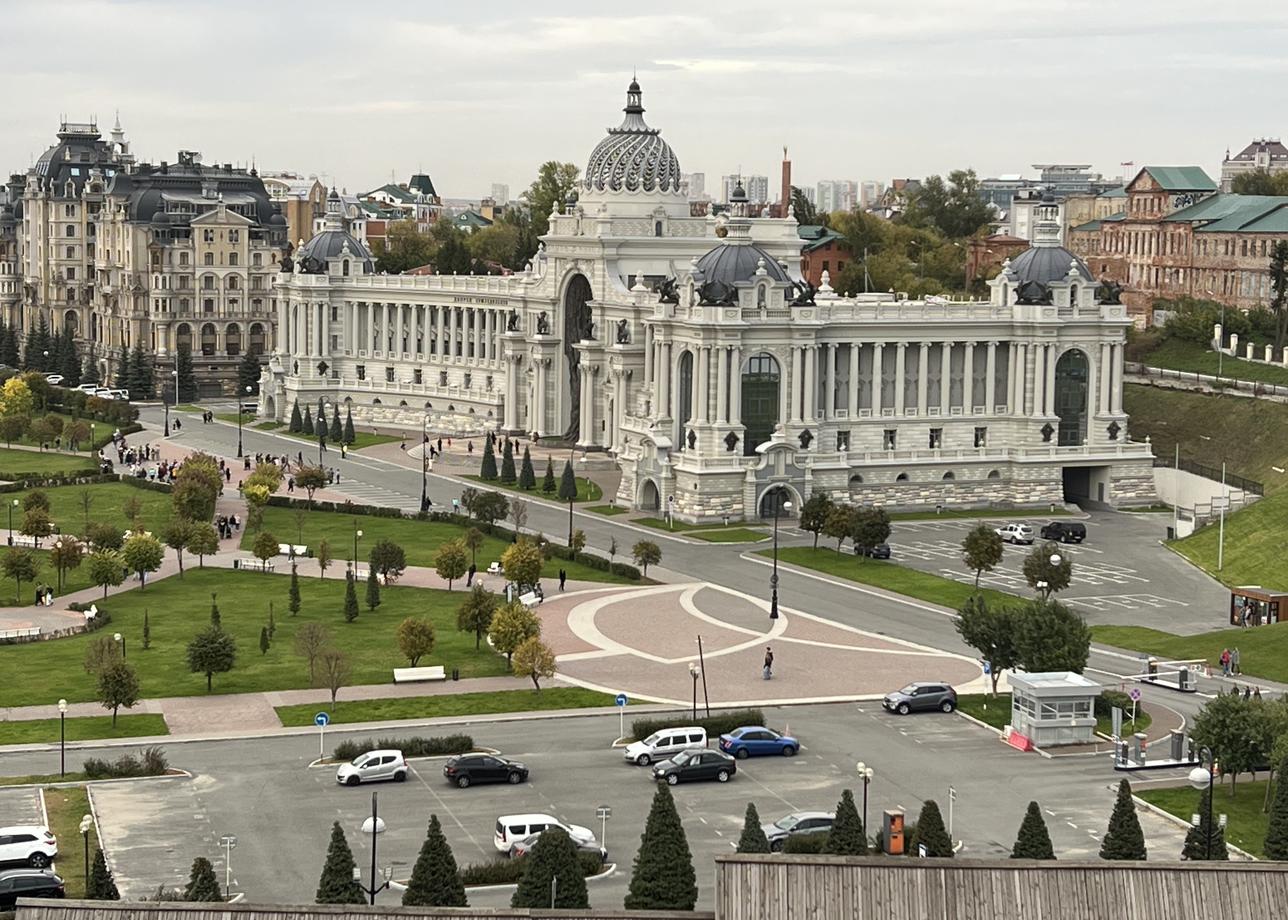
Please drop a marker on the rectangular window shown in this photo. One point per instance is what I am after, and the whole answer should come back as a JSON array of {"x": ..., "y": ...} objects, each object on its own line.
[
  {"x": 389, "y": 375},
  {"x": 335, "y": 314},
  {"x": 208, "y": 235},
  {"x": 842, "y": 440},
  {"x": 468, "y": 379},
  {"x": 71, "y": 272},
  {"x": 888, "y": 438},
  {"x": 362, "y": 372},
  {"x": 234, "y": 236},
  {"x": 418, "y": 376},
  {"x": 208, "y": 305},
  {"x": 442, "y": 378},
  {"x": 981, "y": 437},
  {"x": 936, "y": 438}
]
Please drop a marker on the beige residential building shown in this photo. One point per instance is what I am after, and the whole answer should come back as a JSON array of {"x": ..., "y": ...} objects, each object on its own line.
[{"x": 301, "y": 200}]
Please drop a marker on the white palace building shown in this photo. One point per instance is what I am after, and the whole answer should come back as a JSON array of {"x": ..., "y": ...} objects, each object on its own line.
[{"x": 689, "y": 349}]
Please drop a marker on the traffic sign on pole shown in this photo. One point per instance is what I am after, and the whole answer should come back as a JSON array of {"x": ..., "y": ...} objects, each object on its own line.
[
  {"x": 603, "y": 813},
  {"x": 321, "y": 720},
  {"x": 621, "y": 702},
  {"x": 622, "y": 699}
]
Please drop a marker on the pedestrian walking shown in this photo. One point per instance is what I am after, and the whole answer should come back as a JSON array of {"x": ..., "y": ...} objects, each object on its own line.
[
  {"x": 1234, "y": 660},
  {"x": 1225, "y": 662},
  {"x": 469, "y": 576},
  {"x": 563, "y": 579},
  {"x": 769, "y": 663}
]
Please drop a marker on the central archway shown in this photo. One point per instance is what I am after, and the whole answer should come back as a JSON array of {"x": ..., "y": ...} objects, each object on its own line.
[
  {"x": 1071, "y": 381},
  {"x": 576, "y": 326},
  {"x": 760, "y": 383},
  {"x": 650, "y": 499}
]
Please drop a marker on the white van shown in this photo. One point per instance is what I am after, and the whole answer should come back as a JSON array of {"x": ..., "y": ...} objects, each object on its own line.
[
  {"x": 662, "y": 744},
  {"x": 510, "y": 829}
]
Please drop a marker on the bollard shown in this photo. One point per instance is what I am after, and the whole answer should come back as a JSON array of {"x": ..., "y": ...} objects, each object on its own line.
[
  {"x": 1183, "y": 678},
  {"x": 1153, "y": 667},
  {"x": 1138, "y": 740},
  {"x": 1177, "y": 739}
]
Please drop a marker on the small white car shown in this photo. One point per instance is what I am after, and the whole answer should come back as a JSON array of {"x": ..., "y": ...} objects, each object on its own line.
[
  {"x": 664, "y": 744},
  {"x": 90, "y": 388},
  {"x": 30, "y": 844},
  {"x": 371, "y": 767},
  {"x": 511, "y": 829},
  {"x": 54, "y": 379},
  {"x": 1016, "y": 533}
]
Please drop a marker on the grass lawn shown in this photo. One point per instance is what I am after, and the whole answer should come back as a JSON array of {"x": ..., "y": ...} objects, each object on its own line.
[
  {"x": 1253, "y": 545},
  {"x": 189, "y": 407},
  {"x": 887, "y": 575},
  {"x": 674, "y": 526},
  {"x": 106, "y": 503},
  {"x": 1250, "y": 435},
  {"x": 66, "y": 806},
  {"x": 83, "y": 728},
  {"x": 607, "y": 510},
  {"x": 231, "y": 418},
  {"x": 460, "y": 704},
  {"x": 1247, "y": 824},
  {"x": 996, "y": 711},
  {"x": 361, "y": 439},
  {"x": 46, "y": 461},
  {"x": 587, "y": 490},
  {"x": 731, "y": 535},
  {"x": 1263, "y": 650},
  {"x": 983, "y": 514},
  {"x": 179, "y": 608},
  {"x": 1156, "y": 508},
  {"x": 1175, "y": 354},
  {"x": 266, "y": 426},
  {"x": 420, "y": 540}
]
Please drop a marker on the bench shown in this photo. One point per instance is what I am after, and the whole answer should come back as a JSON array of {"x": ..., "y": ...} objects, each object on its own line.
[
  {"x": 253, "y": 565},
  {"x": 363, "y": 574},
  {"x": 26, "y": 632},
  {"x": 411, "y": 675},
  {"x": 530, "y": 600},
  {"x": 21, "y": 539},
  {"x": 287, "y": 549},
  {"x": 494, "y": 568}
]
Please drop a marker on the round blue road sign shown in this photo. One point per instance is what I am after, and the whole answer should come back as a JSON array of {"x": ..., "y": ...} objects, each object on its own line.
[
  {"x": 621, "y": 699},
  {"x": 321, "y": 719}
]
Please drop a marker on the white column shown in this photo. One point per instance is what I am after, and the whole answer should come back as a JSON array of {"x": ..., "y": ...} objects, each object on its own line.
[
  {"x": 511, "y": 390},
  {"x": 1106, "y": 370},
  {"x": 854, "y": 380},
  {"x": 1050, "y": 384},
  {"x": 1010, "y": 377},
  {"x": 1039, "y": 380},
  {"x": 876, "y": 379},
  {"x": 811, "y": 384},
  {"x": 398, "y": 329},
  {"x": 923, "y": 379},
  {"x": 539, "y": 423},
  {"x": 735, "y": 387},
  {"x": 945, "y": 377},
  {"x": 440, "y": 316},
  {"x": 1116, "y": 378},
  {"x": 649, "y": 345},
  {"x": 664, "y": 375},
  {"x": 797, "y": 385},
  {"x": 900, "y": 371},
  {"x": 722, "y": 385},
  {"x": 1093, "y": 371},
  {"x": 968, "y": 379},
  {"x": 829, "y": 380},
  {"x": 323, "y": 326},
  {"x": 583, "y": 410},
  {"x": 990, "y": 379}
]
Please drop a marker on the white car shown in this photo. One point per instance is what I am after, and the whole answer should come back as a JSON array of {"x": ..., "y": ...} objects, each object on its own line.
[
  {"x": 1016, "y": 533},
  {"x": 664, "y": 744},
  {"x": 373, "y": 766},
  {"x": 511, "y": 829},
  {"x": 30, "y": 844},
  {"x": 102, "y": 393},
  {"x": 90, "y": 388},
  {"x": 524, "y": 846},
  {"x": 54, "y": 379}
]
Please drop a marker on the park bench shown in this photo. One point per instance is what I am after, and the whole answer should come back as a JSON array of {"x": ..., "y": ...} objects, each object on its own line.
[
  {"x": 21, "y": 539},
  {"x": 293, "y": 551},
  {"x": 494, "y": 568},
  {"x": 411, "y": 675},
  {"x": 530, "y": 600},
  {"x": 27, "y": 632},
  {"x": 253, "y": 565}
]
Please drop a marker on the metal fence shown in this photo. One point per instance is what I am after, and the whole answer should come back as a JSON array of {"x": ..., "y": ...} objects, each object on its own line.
[
  {"x": 1233, "y": 480},
  {"x": 1255, "y": 387}
]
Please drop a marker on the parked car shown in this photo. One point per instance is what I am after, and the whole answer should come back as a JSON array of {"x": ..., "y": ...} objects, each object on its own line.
[
  {"x": 1065, "y": 531},
  {"x": 757, "y": 740},
  {"x": 90, "y": 388},
  {"x": 524, "y": 846},
  {"x": 796, "y": 824},
  {"x": 921, "y": 696},
  {"x": 662, "y": 744},
  {"x": 1016, "y": 533},
  {"x": 54, "y": 379},
  {"x": 373, "y": 766},
  {"x": 880, "y": 551},
  {"x": 510, "y": 829},
  {"x": 467, "y": 769},
  {"x": 687, "y": 766},
  {"x": 29, "y": 844},
  {"x": 123, "y": 395},
  {"x": 102, "y": 393},
  {"x": 28, "y": 883}
]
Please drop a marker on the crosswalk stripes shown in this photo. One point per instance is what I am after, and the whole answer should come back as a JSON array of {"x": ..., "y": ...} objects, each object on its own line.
[{"x": 367, "y": 494}]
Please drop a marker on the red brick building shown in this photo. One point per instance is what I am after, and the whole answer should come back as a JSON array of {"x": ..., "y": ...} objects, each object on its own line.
[
  {"x": 985, "y": 255},
  {"x": 822, "y": 250}
]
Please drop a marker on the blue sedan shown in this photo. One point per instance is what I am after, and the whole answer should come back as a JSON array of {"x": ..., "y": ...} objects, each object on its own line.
[{"x": 756, "y": 740}]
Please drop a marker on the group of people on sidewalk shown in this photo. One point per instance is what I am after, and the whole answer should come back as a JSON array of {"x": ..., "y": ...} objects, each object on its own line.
[{"x": 1230, "y": 661}]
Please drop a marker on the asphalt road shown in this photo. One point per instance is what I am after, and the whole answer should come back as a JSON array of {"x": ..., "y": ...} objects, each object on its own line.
[{"x": 280, "y": 810}]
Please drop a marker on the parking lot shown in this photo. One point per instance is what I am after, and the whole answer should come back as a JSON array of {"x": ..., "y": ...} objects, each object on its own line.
[{"x": 280, "y": 809}]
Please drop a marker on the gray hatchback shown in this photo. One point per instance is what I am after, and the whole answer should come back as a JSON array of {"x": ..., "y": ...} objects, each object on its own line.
[{"x": 921, "y": 696}]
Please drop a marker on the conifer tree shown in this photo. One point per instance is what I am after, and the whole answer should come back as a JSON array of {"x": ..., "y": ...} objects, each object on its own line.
[
  {"x": 307, "y": 426},
  {"x": 337, "y": 885},
  {"x": 435, "y": 881},
  {"x": 69, "y": 364},
  {"x": 1033, "y": 840},
  {"x": 202, "y": 884},
  {"x": 9, "y": 351},
  {"x": 214, "y": 612},
  {"x": 663, "y": 876},
  {"x": 124, "y": 371},
  {"x": 37, "y": 344},
  {"x": 554, "y": 858},
  {"x": 336, "y": 434},
  {"x": 549, "y": 484},
  {"x": 349, "y": 435},
  {"x": 847, "y": 836},
  {"x": 297, "y": 420},
  {"x": 527, "y": 478},
  {"x": 263, "y": 640},
  {"x": 350, "y": 599},
  {"x": 752, "y": 839},
  {"x": 931, "y": 832},
  {"x": 187, "y": 379},
  {"x": 373, "y": 589},
  {"x": 1197, "y": 845},
  {"x": 248, "y": 372},
  {"x": 487, "y": 472},
  {"x": 101, "y": 885},
  {"x": 293, "y": 594},
  {"x": 507, "y": 465},
  {"x": 1124, "y": 839},
  {"x": 1277, "y": 830}
]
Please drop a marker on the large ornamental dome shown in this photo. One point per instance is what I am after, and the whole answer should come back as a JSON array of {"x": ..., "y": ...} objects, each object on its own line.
[{"x": 633, "y": 158}]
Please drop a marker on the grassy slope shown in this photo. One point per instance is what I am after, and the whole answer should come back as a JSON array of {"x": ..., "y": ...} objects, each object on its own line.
[
  {"x": 1186, "y": 356},
  {"x": 459, "y": 704},
  {"x": 84, "y": 728},
  {"x": 996, "y": 711},
  {"x": 1247, "y": 824},
  {"x": 420, "y": 540},
  {"x": 1263, "y": 651},
  {"x": 731, "y": 535},
  {"x": 178, "y": 609},
  {"x": 48, "y": 461}
]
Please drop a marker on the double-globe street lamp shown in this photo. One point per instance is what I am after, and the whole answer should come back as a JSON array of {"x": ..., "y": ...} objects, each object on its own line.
[
  {"x": 249, "y": 389},
  {"x": 865, "y": 774},
  {"x": 1203, "y": 778},
  {"x": 696, "y": 673},
  {"x": 86, "y": 824},
  {"x": 773, "y": 579},
  {"x": 357, "y": 535},
  {"x": 424, "y": 465}
]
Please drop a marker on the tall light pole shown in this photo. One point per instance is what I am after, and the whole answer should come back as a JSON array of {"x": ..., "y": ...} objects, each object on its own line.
[
  {"x": 228, "y": 841},
  {"x": 239, "y": 422},
  {"x": 121, "y": 639},
  {"x": 1220, "y": 543},
  {"x": 865, "y": 774},
  {"x": 13, "y": 504},
  {"x": 773, "y": 579},
  {"x": 1200, "y": 777},
  {"x": 374, "y": 826},
  {"x": 357, "y": 534},
  {"x": 424, "y": 465},
  {"x": 175, "y": 375},
  {"x": 86, "y": 823},
  {"x": 695, "y": 672},
  {"x": 62, "y": 737}
]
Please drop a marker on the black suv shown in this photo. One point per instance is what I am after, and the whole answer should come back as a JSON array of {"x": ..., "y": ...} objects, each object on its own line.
[
  {"x": 1065, "y": 531},
  {"x": 922, "y": 696},
  {"x": 28, "y": 883},
  {"x": 483, "y": 768}
]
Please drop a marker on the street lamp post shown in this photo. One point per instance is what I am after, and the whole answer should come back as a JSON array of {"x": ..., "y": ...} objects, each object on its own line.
[
  {"x": 228, "y": 841},
  {"x": 166, "y": 403},
  {"x": 357, "y": 534},
  {"x": 13, "y": 504},
  {"x": 1199, "y": 778},
  {"x": 62, "y": 737},
  {"x": 121, "y": 639},
  {"x": 239, "y": 422},
  {"x": 374, "y": 826},
  {"x": 695, "y": 672},
  {"x": 424, "y": 466},
  {"x": 773, "y": 579},
  {"x": 86, "y": 823},
  {"x": 865, "y": 774}
]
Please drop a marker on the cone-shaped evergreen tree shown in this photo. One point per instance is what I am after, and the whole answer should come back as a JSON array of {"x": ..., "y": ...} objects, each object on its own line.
[
  {"x": 553, "y": 858},
  {"x": 1196, "y": 840},
  {"x": 293, "y": 593},
  {"x": 337, "y": 430},
  {"x": 89, "y": 374},
  {"x": 549, "y": 484},
  {"x": 248, "y": 372},
  {"x": 37, "y": 344},
  {"x": 69, "y": 364},
  {"x": 350, "y": 599},
  {"x": 349, "y": 435},
  {"x": 139, "y": 382},
  {"x": 202, "y": 884},
  {"x": 847, "y": 836},
  {"x": 507, "y": 465},
  {"x": 1033, "y": 841},
  {"x": 487, "y": 472},
  {"x": 187, "y": 381},
  {"x": 123, "y": 369},
  {"x": 307, "y": 427},
  {"x": 663, "y": 876},
  {"x": 373, "y": 589},
  {"x": 337, "y": 885},
  {"x": 1124, "y": 839},
  {"x": 527, "y": 477},
  {"x": 101, "y": 886},
  {"x": 1277, "y": 831},
  {"x": 215, "y": 619},
  {"x": 10, "y": 351},
  {"x": 435, "y": 881},
  {"x": 297, "y": 420},
  {"x": 753, "y": 839},
  {"x": 931, "y": 832}
]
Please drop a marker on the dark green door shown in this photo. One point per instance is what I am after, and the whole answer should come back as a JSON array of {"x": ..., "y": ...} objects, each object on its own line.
[{"x": 760, "y": 383}]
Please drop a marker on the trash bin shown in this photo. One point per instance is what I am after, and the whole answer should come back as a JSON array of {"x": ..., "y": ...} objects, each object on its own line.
[
  {"x": 236, "y": 563},
  {"x": 456, "y": 673}
]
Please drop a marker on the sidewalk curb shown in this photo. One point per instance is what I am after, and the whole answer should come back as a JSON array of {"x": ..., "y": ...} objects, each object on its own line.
[{"x": 87, "y": 783}]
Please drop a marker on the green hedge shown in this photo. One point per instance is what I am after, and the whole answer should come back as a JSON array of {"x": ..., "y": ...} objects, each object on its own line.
[
  {"x": 411, "y": 747},
  {"x": 509, "y": 871},
  {"x": 1108, "y": 699},
  {"x": 805, "y": 843},
  {"x": 715, "y": 725},
  {"x": 147, "y": 484},
  {"x": 33, "y": 477},
  {"x": 152, "y": 762}
]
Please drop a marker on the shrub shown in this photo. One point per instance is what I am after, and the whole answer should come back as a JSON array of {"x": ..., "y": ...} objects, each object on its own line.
[
  {"x": 805, "y": 843},
  {"x": 715, "y": 725},
  {"x": 151, "y": 763},
  {"x": 509, "y": 871},
  {"x": 411, "y": 747},
  {"x": 1108, "y": 699}
]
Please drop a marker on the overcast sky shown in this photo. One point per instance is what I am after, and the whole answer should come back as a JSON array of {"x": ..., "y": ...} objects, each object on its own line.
[{"x": 482, "y": 92}]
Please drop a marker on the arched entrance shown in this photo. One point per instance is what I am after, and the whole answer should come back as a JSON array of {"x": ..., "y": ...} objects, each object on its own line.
[
  {"x": 1071, "y": 379},
  {"x": 183, "y": 336},
  {"x": 684, "y": 395},
  {"x": 232, "y": 340},
  {"x": 256, "y": 338},
  {"x": 650, "y": 499},
  {"x": 760, "y": 383},
  {"x": 576, "y": 326},
  {"x": 773, "y": 499},
  {"x": 208, "y": 339}
]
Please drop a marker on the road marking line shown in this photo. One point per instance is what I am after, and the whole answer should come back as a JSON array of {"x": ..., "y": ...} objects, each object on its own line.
[{"x": 448, "y": 810}]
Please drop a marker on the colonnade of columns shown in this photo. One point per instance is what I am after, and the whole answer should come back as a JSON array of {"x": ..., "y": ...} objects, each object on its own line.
[
  {"x": 399, "y": 331},
  {"x": 716, "y": 393}
]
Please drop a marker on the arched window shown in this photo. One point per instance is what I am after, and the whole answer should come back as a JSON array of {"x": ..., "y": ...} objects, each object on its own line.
[
  {"x": 344, "y": 267},
  {"x": 232, "y": 340},
  {"x": 760, "y": 395},
  {"x": 994, "y": 474},
  {"x": 949, "y": 477},
  {"x": 183, "y": 336},
  {"x": 1071, "y": 382},
  {"x": 657, "y": 228},
  {"x": 902, "y": 477},
  {"x": 208, "y": 259},
  {"x": 684, "y": 394},
  {"x": 256, "y": 344},
  {"x": 209, "y": 338}
]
